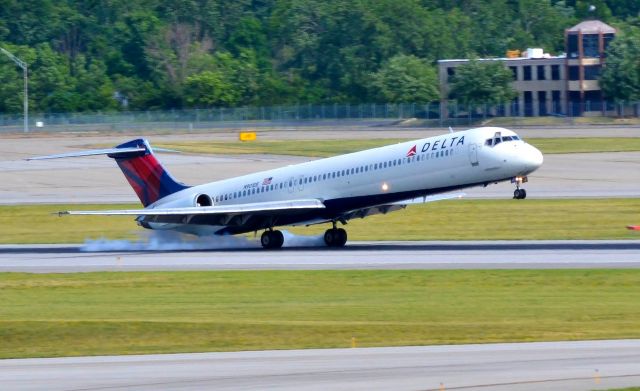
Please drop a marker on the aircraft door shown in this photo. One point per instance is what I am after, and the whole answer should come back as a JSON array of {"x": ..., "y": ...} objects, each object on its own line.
[{"x": 473, "y": 154}]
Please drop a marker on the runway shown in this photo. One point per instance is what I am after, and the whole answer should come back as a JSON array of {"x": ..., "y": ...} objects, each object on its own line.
[
  {"x": 583, "y": 365},
  {"x": 357, "y": 255}
]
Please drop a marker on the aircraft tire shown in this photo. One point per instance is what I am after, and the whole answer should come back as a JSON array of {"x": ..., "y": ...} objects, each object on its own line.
[
  {"x": 516, "y": 194},
  {"x": 341, "y": 237},
  {"x": 329, "y": 238},
  {"x": 279, "y": 239},
  {"x": 266, "y": 239},
  {"x": 272, "y": 239},
  {"x": 335, "y": 237},
  {"x": 523, "y": 194}
]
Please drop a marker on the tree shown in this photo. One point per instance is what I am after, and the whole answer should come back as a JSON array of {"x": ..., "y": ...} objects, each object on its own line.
[
  {"x": 482, "y": 82},
  {"x": 620, "y": 79},
  {"x": 406, "y": 79},
  {"x": 210, "y": 88}
]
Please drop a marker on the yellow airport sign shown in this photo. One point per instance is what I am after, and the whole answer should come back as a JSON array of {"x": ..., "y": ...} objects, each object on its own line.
[{"x": 247, "y": 136}]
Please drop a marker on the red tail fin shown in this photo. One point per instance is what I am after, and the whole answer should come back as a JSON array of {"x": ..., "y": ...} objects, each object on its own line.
[{"x": 145, "y": 174}]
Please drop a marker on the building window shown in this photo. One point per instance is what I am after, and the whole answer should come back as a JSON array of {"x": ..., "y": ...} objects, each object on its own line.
[
  {"x": 574, "y": 72},
  {"x": 528, "y": 103},
  {"x": 527, "y": 72},
  {"x": 514, "y": 70},
  {"x": 555, "y": 72},
  {"x": 541, "y": 75},
  {"x": 451, "y": 72},
  {"x": 572, "y": 43},
  {"x": 592, "y": 72},
  {"x": 542, "y": 103},
  {"x": 607, "y": 38},
  {"x": 590, "y": 45},
  {"x": 555, "y": 102}
]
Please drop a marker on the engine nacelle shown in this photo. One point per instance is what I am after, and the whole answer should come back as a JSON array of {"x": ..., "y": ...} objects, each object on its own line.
[{"x": 203, "y": 200}]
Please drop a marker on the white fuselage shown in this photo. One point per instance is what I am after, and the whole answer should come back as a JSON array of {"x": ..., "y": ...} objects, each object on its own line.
[{"x": 387, "y": 174}]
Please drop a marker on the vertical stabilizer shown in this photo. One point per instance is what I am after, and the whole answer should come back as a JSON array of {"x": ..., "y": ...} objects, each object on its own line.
[{"x": 144, "y": 172}]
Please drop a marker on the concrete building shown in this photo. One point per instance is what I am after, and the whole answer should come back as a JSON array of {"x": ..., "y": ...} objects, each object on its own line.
[{"x": 550, "y": 85}]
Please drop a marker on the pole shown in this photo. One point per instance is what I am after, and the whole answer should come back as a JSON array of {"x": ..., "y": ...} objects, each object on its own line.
[
  {"x": 26, "y": 98},
  {"x": 25, "y": 73}
]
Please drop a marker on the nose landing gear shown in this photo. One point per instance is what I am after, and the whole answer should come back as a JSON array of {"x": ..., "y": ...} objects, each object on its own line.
[{"x": 519, "y": 194}]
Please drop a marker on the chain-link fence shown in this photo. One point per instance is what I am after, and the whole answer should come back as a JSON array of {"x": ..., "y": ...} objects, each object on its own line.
[{"x": 428, "y": 115}]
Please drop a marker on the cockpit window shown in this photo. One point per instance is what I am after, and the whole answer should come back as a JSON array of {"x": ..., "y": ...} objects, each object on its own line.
[{"x": 497, "y": 140}]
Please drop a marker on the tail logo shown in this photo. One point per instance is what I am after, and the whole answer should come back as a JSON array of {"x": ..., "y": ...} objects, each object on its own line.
[{"x": 412, "y": 151}]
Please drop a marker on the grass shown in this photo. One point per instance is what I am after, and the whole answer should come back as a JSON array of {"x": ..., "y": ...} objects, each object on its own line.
[
  {"x": 586, "y": 144},
  {"x": 562, "y": 121},
  {"x": 45, "y": 315},
  {"x": 40, "y": 224},
  {"x": 327, "y": 148},
  {"x": 443, "y": 220}
]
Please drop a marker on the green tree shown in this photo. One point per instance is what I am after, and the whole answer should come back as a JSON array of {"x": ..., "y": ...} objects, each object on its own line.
[
  {"x": 210, "y": 88},
  {"x": 620, "y": 79},
  {"x": 482, "y": 82},
  {"x": 406, "y": 79}
]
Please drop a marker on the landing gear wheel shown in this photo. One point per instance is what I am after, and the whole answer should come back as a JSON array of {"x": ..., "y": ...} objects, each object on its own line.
[
  {"x": 279, "y": 239},
  {"x": 335, "y": 237},
  {"x": 329, "y": 238},
  {"x": 520, "y": 194},
  {"x": 341, "y": 236},
  {"x": 272, "y": 239}
]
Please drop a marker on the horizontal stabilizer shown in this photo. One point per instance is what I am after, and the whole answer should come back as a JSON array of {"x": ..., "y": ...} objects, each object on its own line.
[{"x": 92, "y": 152}]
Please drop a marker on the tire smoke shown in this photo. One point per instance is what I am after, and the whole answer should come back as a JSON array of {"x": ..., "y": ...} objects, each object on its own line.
[{"x": 176, "y": 241}]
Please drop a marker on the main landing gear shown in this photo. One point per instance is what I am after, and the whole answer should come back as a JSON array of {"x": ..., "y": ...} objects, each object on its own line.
[
  {"x": 519, "y": 194},
  {"x": 272, "y": 239},
  {"x": 335, "y": 237}
]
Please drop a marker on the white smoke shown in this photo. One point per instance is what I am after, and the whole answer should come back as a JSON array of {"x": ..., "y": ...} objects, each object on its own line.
[
  {"x": 168, "y": 241},
  {"x": 176, "y": 241},
  {"x": 292, "y": 240}
]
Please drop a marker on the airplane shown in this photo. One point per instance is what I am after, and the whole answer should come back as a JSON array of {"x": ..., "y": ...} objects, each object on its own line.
[{"x": 330, "y": 190}]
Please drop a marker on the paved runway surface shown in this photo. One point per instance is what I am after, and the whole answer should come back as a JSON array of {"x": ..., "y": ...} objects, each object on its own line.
[
  {"x": 563, "y": 366},
  {"x": 357, "y": 255}
]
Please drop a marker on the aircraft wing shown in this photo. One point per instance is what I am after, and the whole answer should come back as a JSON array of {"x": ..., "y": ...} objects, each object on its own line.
[
  {"x": 267, "y": 207},
  {"x": 386, "y": 208},
  {"x": 431, "y": 198}
]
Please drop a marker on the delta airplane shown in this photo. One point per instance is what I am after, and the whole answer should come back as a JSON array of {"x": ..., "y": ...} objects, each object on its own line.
[{"x": 330, "y": 190}]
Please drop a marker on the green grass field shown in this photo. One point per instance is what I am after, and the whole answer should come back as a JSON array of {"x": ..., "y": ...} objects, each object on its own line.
[
  {"x": 326, "y": 148},
  {"x": 128, "y": 313},
  {"x": 443, "y": 220}
]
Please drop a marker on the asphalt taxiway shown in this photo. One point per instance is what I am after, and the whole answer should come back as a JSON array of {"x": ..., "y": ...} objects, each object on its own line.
[
  {"x": 567, "y": 366},
  {"x": 357, "y": 255}
]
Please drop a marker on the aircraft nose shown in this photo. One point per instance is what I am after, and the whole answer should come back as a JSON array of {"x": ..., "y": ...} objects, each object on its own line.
[{"x": 532, "y": 158}]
